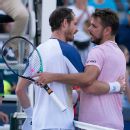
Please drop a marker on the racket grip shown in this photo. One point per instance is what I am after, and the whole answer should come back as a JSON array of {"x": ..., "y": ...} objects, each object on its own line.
[
  {"x": 35, "y": 78},
  {"x": 58, "y": 102},
  {"x": 53, "y": 96}
]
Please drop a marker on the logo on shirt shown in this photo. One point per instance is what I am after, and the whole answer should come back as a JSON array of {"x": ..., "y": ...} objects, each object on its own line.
[{"x": 91, "y": 61}]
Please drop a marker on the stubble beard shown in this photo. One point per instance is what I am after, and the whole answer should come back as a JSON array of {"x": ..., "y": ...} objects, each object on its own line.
[
  {"x": 97, "y": 41},
  {"x": 69, "y": 37}
]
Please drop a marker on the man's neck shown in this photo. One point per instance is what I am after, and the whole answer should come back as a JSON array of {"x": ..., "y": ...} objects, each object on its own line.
[
  {"x": 58, "y": 35},
  {"x": 111, "y": 38}
]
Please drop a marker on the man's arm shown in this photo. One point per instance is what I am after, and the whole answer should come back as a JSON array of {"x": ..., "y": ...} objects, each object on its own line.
[
  {"x": 87, "y": 80},
  {"x": 81, "y": 79},
  {"x": 21, "y": 91},
  {"x": 97, "y": 87}
]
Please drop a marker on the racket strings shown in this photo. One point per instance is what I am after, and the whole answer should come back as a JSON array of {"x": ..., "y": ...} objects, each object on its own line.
[
  {"x": 21, "y": 56},
  {"x": 33, "y": 65},
  {"x": 21, "y": 49}
]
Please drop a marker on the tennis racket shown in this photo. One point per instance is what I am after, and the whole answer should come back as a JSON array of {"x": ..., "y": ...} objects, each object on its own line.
[{"x": 26, "y": 62}]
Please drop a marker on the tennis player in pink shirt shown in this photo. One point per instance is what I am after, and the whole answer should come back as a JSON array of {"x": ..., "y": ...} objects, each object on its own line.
[
  {"x": 106, "y": 109},
  {"x": 100, "y": 98}
]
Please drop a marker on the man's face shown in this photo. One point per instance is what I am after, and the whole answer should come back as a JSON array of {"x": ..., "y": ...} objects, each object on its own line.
[
  {"x": 71, "y": 29},
  {"x": 96, "y": 30}
]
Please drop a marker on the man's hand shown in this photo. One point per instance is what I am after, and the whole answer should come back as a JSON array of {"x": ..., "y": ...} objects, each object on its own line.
[
  {"x": 43, "y": 78},
  {"x": 122, "y": 82},
  {"x": 4, "y": 117},
  {"x": 27, "y": 125}
]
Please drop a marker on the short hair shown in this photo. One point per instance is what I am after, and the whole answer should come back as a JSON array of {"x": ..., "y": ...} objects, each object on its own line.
[
  {"x": 58, "y": 16},
  {"x": 108, "y": 18}
]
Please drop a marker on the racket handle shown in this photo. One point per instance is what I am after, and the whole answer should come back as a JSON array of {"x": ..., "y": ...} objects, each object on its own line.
[
  {"x": 35, "y": 78},
  {"x": 53, "y": 96},
  {"x": 58, "y": 102}
]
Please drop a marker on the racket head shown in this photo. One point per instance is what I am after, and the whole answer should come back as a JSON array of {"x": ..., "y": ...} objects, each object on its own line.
[
  {"x": 27, "y": 58},
  {"x": 31, "y": 66}
]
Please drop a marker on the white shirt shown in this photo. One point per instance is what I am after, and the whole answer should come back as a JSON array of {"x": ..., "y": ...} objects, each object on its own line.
[{"x": 55, "y": 58}]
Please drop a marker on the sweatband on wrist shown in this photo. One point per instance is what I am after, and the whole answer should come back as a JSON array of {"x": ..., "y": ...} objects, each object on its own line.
[
  {"x": 114, "y": 87},
  {"x": 29, "y": 112}
]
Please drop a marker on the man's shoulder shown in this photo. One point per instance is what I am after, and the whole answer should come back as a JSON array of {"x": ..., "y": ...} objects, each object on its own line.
[
  {"x": 67, "y": 46},
  {"x": 51, "y": 40},
  {"x": 47, "y": 42},
  {"x": 98, "y": 49}
]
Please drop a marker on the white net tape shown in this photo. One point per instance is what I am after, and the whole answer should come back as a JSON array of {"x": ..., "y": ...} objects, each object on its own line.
[{"x": 87, "y": 126}]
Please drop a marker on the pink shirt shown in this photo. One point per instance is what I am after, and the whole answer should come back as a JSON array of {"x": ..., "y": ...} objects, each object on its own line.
[{"x": 104, "y": 110}]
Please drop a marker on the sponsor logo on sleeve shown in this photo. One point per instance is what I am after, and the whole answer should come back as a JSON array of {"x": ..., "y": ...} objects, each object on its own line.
[{"x": 91, "y": 61}]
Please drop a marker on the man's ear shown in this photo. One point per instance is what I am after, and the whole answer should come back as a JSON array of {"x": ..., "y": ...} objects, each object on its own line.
[
  {"x": 107, "y": 30},
  {"x": 64, "y": 23}
]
